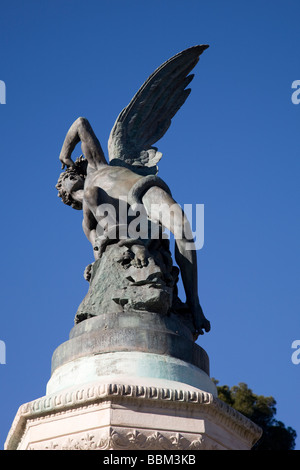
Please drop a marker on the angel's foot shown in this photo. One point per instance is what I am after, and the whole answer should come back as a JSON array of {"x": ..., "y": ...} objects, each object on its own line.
[
  {"x": 200, "y": 321},
  {"x": 140, "y": 256}
]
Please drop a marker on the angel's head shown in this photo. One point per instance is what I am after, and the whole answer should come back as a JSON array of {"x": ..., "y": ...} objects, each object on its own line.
[{"x": 71, "y": 182}]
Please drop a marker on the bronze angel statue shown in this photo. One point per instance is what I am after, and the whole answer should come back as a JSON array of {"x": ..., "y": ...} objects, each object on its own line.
[{"x": 131, "y": 272}]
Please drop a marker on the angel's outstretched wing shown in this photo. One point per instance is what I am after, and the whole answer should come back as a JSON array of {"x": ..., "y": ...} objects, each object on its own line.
[{"x": 148, "y": 116}]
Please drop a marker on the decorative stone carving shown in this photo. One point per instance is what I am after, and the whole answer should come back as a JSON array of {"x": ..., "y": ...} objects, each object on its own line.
[
  {"x": 195, "y": 420},
  {"x": 125, "y": 439}
]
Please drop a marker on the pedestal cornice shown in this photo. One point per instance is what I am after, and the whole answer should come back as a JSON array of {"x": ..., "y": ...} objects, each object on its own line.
[{"x": 92, "y": 397}]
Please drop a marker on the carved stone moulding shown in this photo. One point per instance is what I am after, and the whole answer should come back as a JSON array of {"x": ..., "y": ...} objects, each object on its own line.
[
  {"x": 114, "y": 438},
  {"x": 116, "y": 416}
]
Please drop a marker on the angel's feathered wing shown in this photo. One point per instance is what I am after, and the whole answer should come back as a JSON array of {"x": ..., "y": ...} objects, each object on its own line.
[{"x": 148, "y": 116}]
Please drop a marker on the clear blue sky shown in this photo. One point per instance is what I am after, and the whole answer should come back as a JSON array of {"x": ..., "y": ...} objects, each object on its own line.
[{"x": 234, "y": 147}]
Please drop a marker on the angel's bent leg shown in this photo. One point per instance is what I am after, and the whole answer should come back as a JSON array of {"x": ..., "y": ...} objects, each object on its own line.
[
  {"x": 89, "y": 224},
  {"x": 81, "y": 131},
  {"x": 161, "y": 208}
]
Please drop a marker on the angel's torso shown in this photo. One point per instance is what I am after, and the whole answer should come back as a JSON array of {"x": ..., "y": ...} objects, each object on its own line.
[{"x": 109, "y": 184}]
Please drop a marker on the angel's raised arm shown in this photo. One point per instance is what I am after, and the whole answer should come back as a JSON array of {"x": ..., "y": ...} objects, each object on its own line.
[{"x": 81, "y": 131}]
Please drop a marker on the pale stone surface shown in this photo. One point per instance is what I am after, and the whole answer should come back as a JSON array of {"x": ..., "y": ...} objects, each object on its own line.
[
  {"x": 116, "y": 416},
  {"x": 130, "y": 367}
]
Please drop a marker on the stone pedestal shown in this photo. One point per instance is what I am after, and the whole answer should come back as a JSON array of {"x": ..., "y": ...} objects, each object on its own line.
[
  {"x": 130, "y": 381},
  {"x": 130, "y": 348},
  {"x": 114, "y": 416}
]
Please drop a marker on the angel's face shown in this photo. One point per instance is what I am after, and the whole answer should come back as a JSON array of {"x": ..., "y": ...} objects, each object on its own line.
[
  {"x": 71, "y": 191},
  {"x": 75, "y": 183}
]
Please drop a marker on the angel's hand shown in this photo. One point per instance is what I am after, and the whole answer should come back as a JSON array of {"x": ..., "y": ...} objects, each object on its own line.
[{"x": 66, "y": 162}]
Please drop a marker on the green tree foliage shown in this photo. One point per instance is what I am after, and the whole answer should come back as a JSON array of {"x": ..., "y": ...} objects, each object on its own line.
[{"x": 261, "y": 410}]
